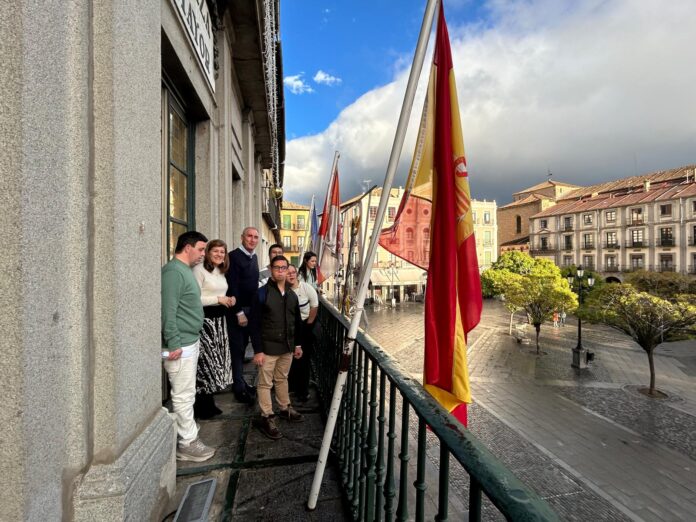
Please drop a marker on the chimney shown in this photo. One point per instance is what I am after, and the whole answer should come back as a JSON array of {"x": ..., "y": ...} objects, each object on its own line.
[{"x": 646, "y": 185}]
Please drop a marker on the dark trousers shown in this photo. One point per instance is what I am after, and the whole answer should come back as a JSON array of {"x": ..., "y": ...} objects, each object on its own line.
[
  {"x": 239, "y": 338},
  {"x": 300, "y": 369}
]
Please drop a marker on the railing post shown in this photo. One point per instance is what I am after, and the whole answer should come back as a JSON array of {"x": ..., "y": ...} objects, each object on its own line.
[
  {"x": 379, "y": 490},
  {"x": 420, "y": 484},
  {"x": 443, "y": 484},
  {"x": 389, "y": 484},
  {"x": 474, "y": 499},
  {"x": 363, "y": 436},
  {"x": 402, "y": 508},
  {"x": 352, "y": 488},
  {"x": 371, "y": 447}
]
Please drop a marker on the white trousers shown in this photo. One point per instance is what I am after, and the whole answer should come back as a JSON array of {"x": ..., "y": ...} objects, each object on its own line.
[{"x": 182, "y": 378}]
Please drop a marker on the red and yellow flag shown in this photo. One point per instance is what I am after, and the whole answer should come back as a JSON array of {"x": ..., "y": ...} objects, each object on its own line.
[{"x": 434, "y": 229}]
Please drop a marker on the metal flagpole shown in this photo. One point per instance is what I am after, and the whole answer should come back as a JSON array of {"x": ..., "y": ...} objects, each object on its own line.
[{"x": 397, "y": 146}]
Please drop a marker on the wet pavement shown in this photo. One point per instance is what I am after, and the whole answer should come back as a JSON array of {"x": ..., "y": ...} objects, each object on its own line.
[{"x": 584, "y": 440}]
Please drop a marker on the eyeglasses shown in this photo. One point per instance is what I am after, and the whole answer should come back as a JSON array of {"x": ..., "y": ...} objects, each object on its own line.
[{"x": 279, "y": 268}]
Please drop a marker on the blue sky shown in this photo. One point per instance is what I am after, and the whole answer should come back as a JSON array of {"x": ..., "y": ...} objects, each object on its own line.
[{"x": 592, "y": 90}]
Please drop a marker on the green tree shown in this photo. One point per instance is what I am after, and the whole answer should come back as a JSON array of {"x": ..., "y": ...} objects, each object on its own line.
[
  {"x": 662, "y": 284},
  {"x": 540, "y": 293},
  {"x": 499, "y": 282},
  {"x": 647, "y": 318},
  {"x": 515, "y": 262}
]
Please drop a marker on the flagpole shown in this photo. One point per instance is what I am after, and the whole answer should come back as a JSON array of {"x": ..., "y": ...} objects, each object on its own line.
[
  {"x": 414, "y": 75},
  {"x": 308, "y": 231}
]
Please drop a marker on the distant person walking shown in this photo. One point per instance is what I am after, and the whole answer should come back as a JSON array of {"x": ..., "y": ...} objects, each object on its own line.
[
  {"x": 243, "y": 282},
  {"x": 563, "y": 317},
  {"x": 182, "y": 319},
  {"x": 214, "y": 362},
  {"x": 555, "y": 319},
  {"x": 275, "y": 324}
]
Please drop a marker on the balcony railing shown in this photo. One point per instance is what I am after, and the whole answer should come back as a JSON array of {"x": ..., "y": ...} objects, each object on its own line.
[
  {"x": 663, "y": 268},
  {"x": 543, "y": 249},
  {"x": 637, "y": 244},
  {"x": 374, "y": 442},
  {"x": 636, "y": 221},
  {"x": 567, "y": 246},
  {"x": 666, "y": 242},
  {"x": 691, "y": 269},
  {"x": 588, "y": 246},
  {"x": 567, "y": 227},
  {"x": 612, "y": 268},
  {"x": 612, "y": 244}
]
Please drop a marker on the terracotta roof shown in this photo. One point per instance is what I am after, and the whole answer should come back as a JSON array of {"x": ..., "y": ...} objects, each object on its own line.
[
  {"x": 546, "y": 184},
  {"x": 633, "y": 182},
  {"x": 521, "y": 241},
  {"x": 289, "y": 205},
  {"x": 531, "y": 198},
  {"x": 658, "y": 192}
]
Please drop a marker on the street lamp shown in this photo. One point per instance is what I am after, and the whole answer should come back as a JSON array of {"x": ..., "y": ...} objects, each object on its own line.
[{"x": 579, "y": 352}]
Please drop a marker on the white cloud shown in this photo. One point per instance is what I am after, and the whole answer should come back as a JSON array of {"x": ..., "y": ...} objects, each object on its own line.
[
  {"x": 588, "y": 89},
  {"x": 326, "y": 79},
  {"x": 297, "y": 85}
]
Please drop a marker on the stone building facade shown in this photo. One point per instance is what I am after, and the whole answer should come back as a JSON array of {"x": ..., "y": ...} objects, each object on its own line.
[
  {"x": 294, "y": 230},
  {"x": 123, "y": 125},
  {"x": 642, "y": 222}
]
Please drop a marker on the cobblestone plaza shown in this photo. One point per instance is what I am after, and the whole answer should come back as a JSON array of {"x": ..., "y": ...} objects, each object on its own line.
[{"x": 585, "y": 440}]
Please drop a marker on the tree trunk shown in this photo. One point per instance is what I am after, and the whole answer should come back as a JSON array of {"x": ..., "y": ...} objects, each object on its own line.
[
  {"x": 537, "y": 327},
  {"x": 512, "y": 314},
  {"x": 652, "y": 371}
]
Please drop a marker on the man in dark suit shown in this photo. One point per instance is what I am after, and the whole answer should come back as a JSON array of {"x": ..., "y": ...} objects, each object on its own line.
[{"x": 242, "y": 281}]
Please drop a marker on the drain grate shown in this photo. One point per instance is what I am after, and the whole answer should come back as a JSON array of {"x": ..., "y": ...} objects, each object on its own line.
[{"x": 195, "y": 505}]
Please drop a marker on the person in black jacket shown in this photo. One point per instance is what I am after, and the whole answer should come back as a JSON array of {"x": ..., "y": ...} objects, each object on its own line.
[
  {"x": 242, "y": 283},
  {"x": 275, "y": 322}
]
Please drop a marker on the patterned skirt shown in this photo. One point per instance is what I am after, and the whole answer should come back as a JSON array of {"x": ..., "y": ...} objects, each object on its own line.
[{"x": 214, "y": 362}]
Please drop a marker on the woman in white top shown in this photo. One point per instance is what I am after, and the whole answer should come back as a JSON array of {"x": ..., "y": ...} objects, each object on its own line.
[
  {"x": 298, "y": 379},
  {"x": 214, "y": 363},
  {"x": 308, "y": 269}
]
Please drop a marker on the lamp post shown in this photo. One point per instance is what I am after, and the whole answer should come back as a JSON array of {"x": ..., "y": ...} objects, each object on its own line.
[{"x": 579, "y": 352}]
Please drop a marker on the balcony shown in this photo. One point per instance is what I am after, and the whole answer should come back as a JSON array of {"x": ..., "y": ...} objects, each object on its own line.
[
  {"x": 567, "y": 246},
  {"x": 691, "y": 269},
  {"x": 637, "y": 244},
  {"x": 567, "y": 227},
  {"x": 666, "y": 242},
  {"x": 612, "y": 268},
  {"x": 588, "y": 246},
  {"x": 663, "y": 268},
  {"x": 541, "y": 250},
  {"x": 271, "y": 210},
  {"x": 634, "y": 222},
  {"x": 610, "y": 245},
  {"x": 384, "y": 436}
]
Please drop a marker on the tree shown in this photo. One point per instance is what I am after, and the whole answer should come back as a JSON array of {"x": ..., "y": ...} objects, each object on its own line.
[
  {"x": 540, "y": 293},
  {"x": 498, "y": 282},
  {"x": 645, "y": 317},
  {"x": 662, "y": 284},
  {"x": 515, "y": 262}
]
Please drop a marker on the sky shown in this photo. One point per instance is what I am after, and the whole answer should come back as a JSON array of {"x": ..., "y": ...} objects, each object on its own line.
[{"x": 590, "y": 90}]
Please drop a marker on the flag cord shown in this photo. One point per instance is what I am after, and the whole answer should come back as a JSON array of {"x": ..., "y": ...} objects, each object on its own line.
[{"x": 414, "y": 75}]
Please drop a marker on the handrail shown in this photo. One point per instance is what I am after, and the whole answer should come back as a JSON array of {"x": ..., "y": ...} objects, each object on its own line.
[{"x": 506, "y": 492}]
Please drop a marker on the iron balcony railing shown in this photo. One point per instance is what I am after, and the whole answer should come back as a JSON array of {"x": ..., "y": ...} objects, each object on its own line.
[
  {"x": 637, "y": 244},
  {"x": 543, "y": 249},
  {"x": 384, "y": 417},
  {"x": 666, "y": 241},
  {"x": 663, "y": 268},
  {"x": 692, "y": 269},
  {"x": 588, "y": 246},
  {"x": 612, "y": 244},
  {"x": 567, "y": 227},
  {"x": 612, "y": 268},
  {"x": 636, "y": 221}
]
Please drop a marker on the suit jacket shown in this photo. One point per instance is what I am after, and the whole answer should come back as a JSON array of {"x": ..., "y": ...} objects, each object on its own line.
[{"x": 242, "y": 279}]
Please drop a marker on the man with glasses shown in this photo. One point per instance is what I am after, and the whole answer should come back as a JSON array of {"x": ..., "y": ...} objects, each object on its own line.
[{"x": 274, "y": 323}]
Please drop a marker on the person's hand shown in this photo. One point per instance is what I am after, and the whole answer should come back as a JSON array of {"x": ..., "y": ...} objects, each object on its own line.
[
  {"x": 226, "y": 301},
  {"x": 259, "y": 359},
  {"x": 242, "y": 319},
  {"x": 298, "y": 352},
  {"x": 176, "y": 354}
]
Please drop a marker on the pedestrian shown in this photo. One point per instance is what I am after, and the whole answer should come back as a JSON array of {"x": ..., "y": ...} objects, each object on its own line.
[
  {"x": 563, "y": 317},
  {"x": 275, "y": 323},
  {"x": 214, "y": 372},
  {"x": 243, "y": 281},
  {"x": 309, "y": 306},
  {"x": 555, "y": 319},
  {"x": 273, "y": 251},
  {"x": 182, "y": 319},
  {"x": 308, "y": 269}
]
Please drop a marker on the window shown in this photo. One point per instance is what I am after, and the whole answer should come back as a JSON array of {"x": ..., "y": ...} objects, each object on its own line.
[
  {"x": 300, "y": 222},
  {"x": 409, "y": 254},
  {"x": 426, "y": 233},
  {"x": 637, "y": 237},
  {"x": 544, "y": 243},
  {"x": 666, "y": 210},
  {"x": 567, "y": 260},
  {"x": 610, "y": 261},
  {"x": 179, "y": 169},
  {"x": 588, "y": 261},
  {"x": 518, "y": 221},
  {"x": 487, "y": 218},
  {"x": 666, "y": 237},
  {"x": 409, "y": 234},
  {"x": 373, "y": 213},
  {"x": 487, "y": 237},
  {"x": 666, "y": 262},
  {"x": 544, "y": 223},
  {"x": 611, "y": 240},
  {"x": 587, "y": 219},
  {"x": 568, "y": 223},
  {"x": 287, "y": 244},
  {"x": 588, "y": 240},
  {"x": 693, "y": 206},
  {"x": 300, "y": 243},
  {"x": 637, "y": 261},
  {"x": 391, "y": 212},
  {"x": 568, "y": 242},
  {"x": 287, "y": 221},
  {"x": 610, "y": 216},
  {"x": 636, "y": 216},
  {"x": 473, "y": 215},
  {"x": 487, "y": 257}
]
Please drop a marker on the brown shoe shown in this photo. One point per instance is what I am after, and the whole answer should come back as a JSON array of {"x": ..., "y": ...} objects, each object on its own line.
[
  {"x": 291, "y": 415},
  {"x": 267, "y": 426}
]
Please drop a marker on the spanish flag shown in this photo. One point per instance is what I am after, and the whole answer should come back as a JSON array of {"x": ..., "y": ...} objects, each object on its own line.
[{"x": 438, "y": 190}]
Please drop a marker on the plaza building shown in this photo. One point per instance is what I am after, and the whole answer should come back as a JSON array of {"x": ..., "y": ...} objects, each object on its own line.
[
  {"x": 123, "y": 126},
  {"x": 513, "y": 218},
  {"x": 485, "y": 218},
  {"x": 294, "y": 230},
  {"x": 640, "y": 222}
]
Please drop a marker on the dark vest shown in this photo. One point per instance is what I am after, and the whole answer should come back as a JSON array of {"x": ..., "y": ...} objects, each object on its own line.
[{"x": 278, "y": 320}]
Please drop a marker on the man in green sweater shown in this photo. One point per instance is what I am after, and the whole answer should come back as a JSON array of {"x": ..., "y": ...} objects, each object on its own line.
[{"x": 182, "y": 319}]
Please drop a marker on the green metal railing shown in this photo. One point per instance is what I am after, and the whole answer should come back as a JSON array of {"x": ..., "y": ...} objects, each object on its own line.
[{"x": 375, "y": 477}]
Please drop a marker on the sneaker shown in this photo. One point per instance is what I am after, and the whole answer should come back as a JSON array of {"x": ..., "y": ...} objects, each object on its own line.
[
  {"x": 291, "y": 415},
  {"x": 267, "y": 426},
  {"x": 195, "y": 452}
]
